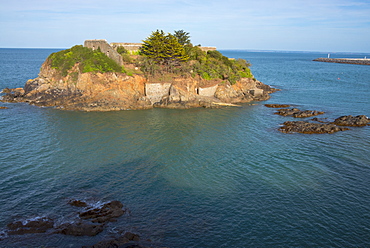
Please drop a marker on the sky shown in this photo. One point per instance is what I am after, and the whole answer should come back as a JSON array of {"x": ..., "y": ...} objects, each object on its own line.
[{"x": 284, "y": 25}]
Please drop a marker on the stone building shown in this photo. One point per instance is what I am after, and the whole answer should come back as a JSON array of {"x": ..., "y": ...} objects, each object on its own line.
[
  {"x": 105, "y": 48},
  {"x": 111, "y": 49}
]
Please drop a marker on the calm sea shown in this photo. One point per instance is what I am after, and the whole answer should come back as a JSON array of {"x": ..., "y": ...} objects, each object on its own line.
[{"x": 200, "y": 177}]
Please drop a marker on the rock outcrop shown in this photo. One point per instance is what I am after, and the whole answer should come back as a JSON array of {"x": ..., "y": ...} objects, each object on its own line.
[
  {"x": 309, "y": 127},
  {"x": 319, "y": 125},
  {"x": 94, "y": 91},
  {"x": 90, "y": 222},
  {"x": 296, "y": 113},
  {"x": 277, "y": 105},
  {"x": 352, "y": 121}
]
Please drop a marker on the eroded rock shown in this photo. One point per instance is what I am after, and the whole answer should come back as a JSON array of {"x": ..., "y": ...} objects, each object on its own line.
[
  {"x": 296, "y": 113},
  {"x": 352, "y": 121},
  {"x": 309, "y": 128}
]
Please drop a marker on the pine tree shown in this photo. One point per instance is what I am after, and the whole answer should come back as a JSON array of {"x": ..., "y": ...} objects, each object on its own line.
[
  {"x": 164, "y": 49},
  {"x": 183, "y": 37}
]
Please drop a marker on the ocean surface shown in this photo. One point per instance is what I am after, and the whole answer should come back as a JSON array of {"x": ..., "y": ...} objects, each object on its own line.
[{"x": 199, "y": 177}]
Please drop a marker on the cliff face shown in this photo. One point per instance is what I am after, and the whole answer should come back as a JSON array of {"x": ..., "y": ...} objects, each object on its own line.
[{"x": 117, "y": 91}]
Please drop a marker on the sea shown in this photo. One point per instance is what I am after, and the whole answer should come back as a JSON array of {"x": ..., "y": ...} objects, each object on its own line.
[{"x": 199, "y": 177}]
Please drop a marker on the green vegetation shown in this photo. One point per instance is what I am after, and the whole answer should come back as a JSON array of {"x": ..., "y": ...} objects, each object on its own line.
[
  {"x": 161, "y": 54},
  {"x": 164, "y": 53},
  {"x": 164, "y": 49},
  {"x": 182, "y": 37},
  {"x": 88, "y": 59}
]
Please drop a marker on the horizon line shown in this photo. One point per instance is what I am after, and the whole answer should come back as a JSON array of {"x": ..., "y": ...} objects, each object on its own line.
[{"x": 222, "y": 49}]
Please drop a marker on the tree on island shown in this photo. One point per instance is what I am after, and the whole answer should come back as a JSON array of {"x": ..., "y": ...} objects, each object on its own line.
[
  {"x": 164, "y": 49},
  {"x": 182, "y": 37}
]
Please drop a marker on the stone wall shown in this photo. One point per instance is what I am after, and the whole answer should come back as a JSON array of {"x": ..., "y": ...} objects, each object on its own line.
[
  {"x": 206, "y": 49},
  {"x": 105, "y": 48},
  {"x": 156, "y": 91},
  {"x": 132, "y": 47},
  {"x": 207, "y": 91}
]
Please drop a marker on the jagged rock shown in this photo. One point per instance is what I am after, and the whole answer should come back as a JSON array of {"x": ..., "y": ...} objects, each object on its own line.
[
  {"x": 38, "y": 225},
  {"x": 352, "y": 121},
  {"x": 277, "y": 105},
  {"x": 108, "y": 212},
  {"x": 309, "y": 128},
  {"x": 296, "y": 113},
  {"x": 80, "y": 229},
  {"x": 286, "y": 112}
]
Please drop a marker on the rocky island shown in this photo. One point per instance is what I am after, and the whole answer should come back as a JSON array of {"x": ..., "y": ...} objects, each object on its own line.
[{"x": 166, "y": 70}]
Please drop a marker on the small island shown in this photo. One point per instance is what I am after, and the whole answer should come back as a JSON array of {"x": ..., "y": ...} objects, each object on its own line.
[{"x": 166, "y": 70}]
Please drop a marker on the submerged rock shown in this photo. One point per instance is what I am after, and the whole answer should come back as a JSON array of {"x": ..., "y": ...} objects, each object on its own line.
[
  {"x": 90, "y": 222},
  {"x": 127, "y": 240},
  {"x": 77, "y": 203},
  {"x": 1, "y": 107},
  {"x": 80, "y": 229},
  {"x": 37, "y": 225},
  {"x": 309, "y": 128},
  {"x": 108, "y": 212}
]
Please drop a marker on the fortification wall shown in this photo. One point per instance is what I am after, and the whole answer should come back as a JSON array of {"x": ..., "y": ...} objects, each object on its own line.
[
  {"x": 105, "y": 48},
  {"x": 207, "y": 91},
  {"x": 136, "y": 46},
  {"x": 156, "y": 91},
  {"x": 126, "y": 45},
  {"x": 206, "y": 49}
]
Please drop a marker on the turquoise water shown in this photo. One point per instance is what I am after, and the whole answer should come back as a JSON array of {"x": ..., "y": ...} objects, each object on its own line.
[{"x": 200, "y": 177}]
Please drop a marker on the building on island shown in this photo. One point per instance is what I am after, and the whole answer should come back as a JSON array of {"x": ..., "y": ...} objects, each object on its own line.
[{"x": 111, "y": 49}]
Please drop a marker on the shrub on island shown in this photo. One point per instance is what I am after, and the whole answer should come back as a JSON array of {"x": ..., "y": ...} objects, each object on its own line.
[{"x": 88, "y": 60}]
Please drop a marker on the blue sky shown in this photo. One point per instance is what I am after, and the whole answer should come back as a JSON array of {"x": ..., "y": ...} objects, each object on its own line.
[{"x": 292, "y": 25}]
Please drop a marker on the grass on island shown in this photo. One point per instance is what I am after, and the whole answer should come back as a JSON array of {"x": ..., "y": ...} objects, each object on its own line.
[
  {"x": 161, "y": 54},
  {"x": 89, "y": 60}
]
